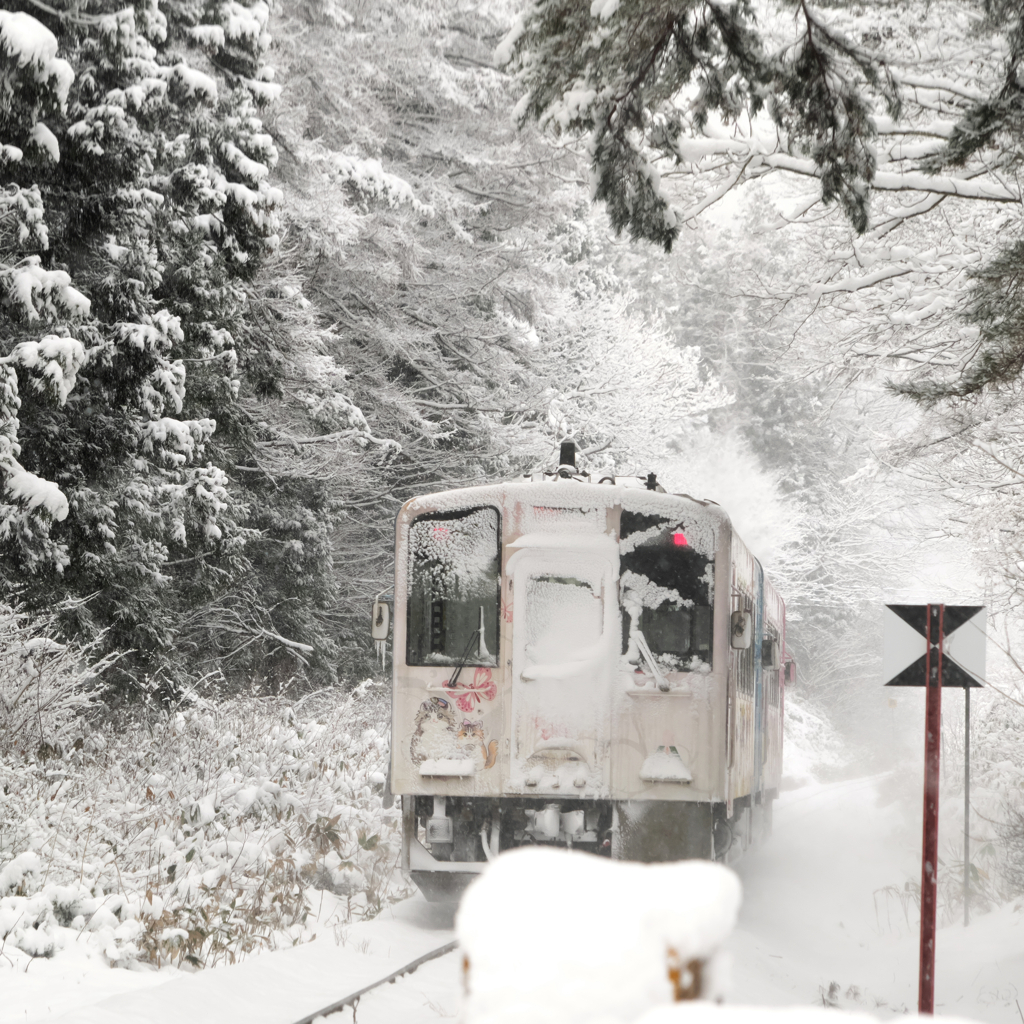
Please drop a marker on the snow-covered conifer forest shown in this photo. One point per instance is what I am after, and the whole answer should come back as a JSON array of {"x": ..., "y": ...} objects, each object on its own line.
[{"x": 268, "y": 270}]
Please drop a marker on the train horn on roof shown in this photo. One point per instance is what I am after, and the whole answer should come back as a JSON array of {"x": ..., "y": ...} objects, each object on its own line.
[{"x": 567, "y": 458}]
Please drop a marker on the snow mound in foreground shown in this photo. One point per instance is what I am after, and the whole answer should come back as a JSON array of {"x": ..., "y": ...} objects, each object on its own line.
[
  {"x": 709, "y": 1013},
  {"x": 568, "y": 937},
  {"x": 562, "y": 937}
]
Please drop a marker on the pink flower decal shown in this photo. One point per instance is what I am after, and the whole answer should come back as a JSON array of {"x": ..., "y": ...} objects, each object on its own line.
[{"x": 482, "y": 688}]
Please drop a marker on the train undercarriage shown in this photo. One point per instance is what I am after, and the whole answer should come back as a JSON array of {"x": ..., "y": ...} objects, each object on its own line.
[{"x": 449, "y": 840}]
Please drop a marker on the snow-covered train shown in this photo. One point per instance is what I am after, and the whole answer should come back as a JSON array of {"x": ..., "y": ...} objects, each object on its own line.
[{"x": 598, "y": 665}]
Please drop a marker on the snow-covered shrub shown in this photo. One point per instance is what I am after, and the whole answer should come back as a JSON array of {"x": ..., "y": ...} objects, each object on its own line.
[
  {"x": 812, "y": 746},
  {"x": 44, "y": 688},
  {"x": 1011, "y": 833},
  {"x": 202, "y": 834},
  {"x": 27, "y": 922},
  {"x": 997, "y": 799},
  {"x": 18, "y": 875}
]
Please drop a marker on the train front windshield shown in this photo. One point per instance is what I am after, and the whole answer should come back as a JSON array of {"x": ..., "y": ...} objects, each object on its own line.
[
  {"x": 454, "y": 588},
  {"x": 667, "y": 592}
]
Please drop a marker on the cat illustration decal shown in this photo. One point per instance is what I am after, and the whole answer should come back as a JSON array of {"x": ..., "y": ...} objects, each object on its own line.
[
  {"x": 435, "y": 732},
  {"x": 437, "y": 736},
  {"x": 471, "y": 740}
]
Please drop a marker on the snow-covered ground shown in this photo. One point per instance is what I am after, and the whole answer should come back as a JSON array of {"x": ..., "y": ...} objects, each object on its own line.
[
  {"x": 820, "y": 923},
  {"x": 821, "y": 919},
  {"x": 75, "y": 987}
]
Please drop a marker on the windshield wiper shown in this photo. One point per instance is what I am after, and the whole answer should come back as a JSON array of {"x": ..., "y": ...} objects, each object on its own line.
[
  {"x": 481, "y": 650},
  {"x": 648, "y": 656},
  {"x": 462, "y": 662}
]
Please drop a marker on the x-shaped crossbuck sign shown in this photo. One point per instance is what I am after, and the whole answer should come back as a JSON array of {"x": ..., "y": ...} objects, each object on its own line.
[{"x": 905, "y": 647}]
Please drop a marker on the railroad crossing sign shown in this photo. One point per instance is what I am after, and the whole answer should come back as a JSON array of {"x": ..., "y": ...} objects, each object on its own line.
[{"x": 905, "y": 647}]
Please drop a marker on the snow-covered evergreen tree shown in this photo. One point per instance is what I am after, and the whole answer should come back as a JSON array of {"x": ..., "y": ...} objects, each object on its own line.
[
  {"x": 137, "y": 208},
  {"x": 646, "y": 81},
  {"x": 989, "y": 132}
]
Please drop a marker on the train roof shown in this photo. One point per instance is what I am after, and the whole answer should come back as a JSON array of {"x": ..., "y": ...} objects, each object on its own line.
[
  {"x": 704, "y": 517},
  {"x": 575, "y": 492}
]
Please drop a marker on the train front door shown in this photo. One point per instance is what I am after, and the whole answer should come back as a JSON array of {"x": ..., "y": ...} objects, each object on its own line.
[{"x": 565, "y": 647}]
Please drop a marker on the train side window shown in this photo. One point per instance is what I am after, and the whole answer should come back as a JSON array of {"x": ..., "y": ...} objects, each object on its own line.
[
  {"x": 454, "y": 583},
  {"x": 744, "y": 659},
  {"x": 771, "y": 651}
]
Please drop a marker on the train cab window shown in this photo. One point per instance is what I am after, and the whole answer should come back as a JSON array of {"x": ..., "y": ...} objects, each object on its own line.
[
  {"x": 667, "y": 591},
  {"x": 454, "y": 588}
]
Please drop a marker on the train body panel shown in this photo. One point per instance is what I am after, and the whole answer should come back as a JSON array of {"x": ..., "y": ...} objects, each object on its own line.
[
  {"x": 773, "y": 682},
  {"x": 564, "y": 672}
]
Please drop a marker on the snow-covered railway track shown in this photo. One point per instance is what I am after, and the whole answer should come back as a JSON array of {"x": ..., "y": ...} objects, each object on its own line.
[{"x": 353, "y": 998}]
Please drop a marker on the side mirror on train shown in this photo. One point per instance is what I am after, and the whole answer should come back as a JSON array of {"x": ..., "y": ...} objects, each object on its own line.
[
  {"x": 770, "y": 654},
  {"x": 380, "y": 624},
  {"x": 742, "y": 630}
]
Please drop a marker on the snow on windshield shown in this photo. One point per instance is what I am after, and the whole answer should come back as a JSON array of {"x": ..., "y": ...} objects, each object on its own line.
[
  {"x": 453, "y": 594},
  {"x": 666, "y": 592},
  {"x": 563, "y": 621},
  {"x": 644, "y": 593}
]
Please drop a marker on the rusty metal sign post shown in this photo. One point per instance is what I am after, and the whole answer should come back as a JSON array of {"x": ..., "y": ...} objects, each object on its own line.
[{"x": 934, "y": 645}]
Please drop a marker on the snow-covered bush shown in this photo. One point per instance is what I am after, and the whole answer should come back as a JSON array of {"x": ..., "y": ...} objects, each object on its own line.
[
  {"x": 201, "y": 835},
  {"x": 997, "y": 801},
  {"x": 812, "y": 747},
  {"x": 27, "y": 922},
  {"x": 44, "y": 688}
]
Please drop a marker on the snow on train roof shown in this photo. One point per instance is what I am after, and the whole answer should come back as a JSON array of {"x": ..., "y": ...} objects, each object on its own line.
[{"x": 704, "y": 518}]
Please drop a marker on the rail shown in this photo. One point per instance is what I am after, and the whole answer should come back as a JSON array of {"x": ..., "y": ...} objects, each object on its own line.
[{"x": 353, "y": 998}]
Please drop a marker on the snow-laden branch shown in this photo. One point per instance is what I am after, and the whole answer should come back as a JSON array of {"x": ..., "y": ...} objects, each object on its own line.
[
  {"x": 852, "y": 284},
  {"x": 986, "y": 450},
  {"x": 937, "y": 84},
  {"x": 902, "y": 181}
]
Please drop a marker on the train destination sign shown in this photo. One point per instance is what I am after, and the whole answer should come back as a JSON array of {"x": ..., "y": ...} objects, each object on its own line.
[{"x": 905, "y": 648}]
